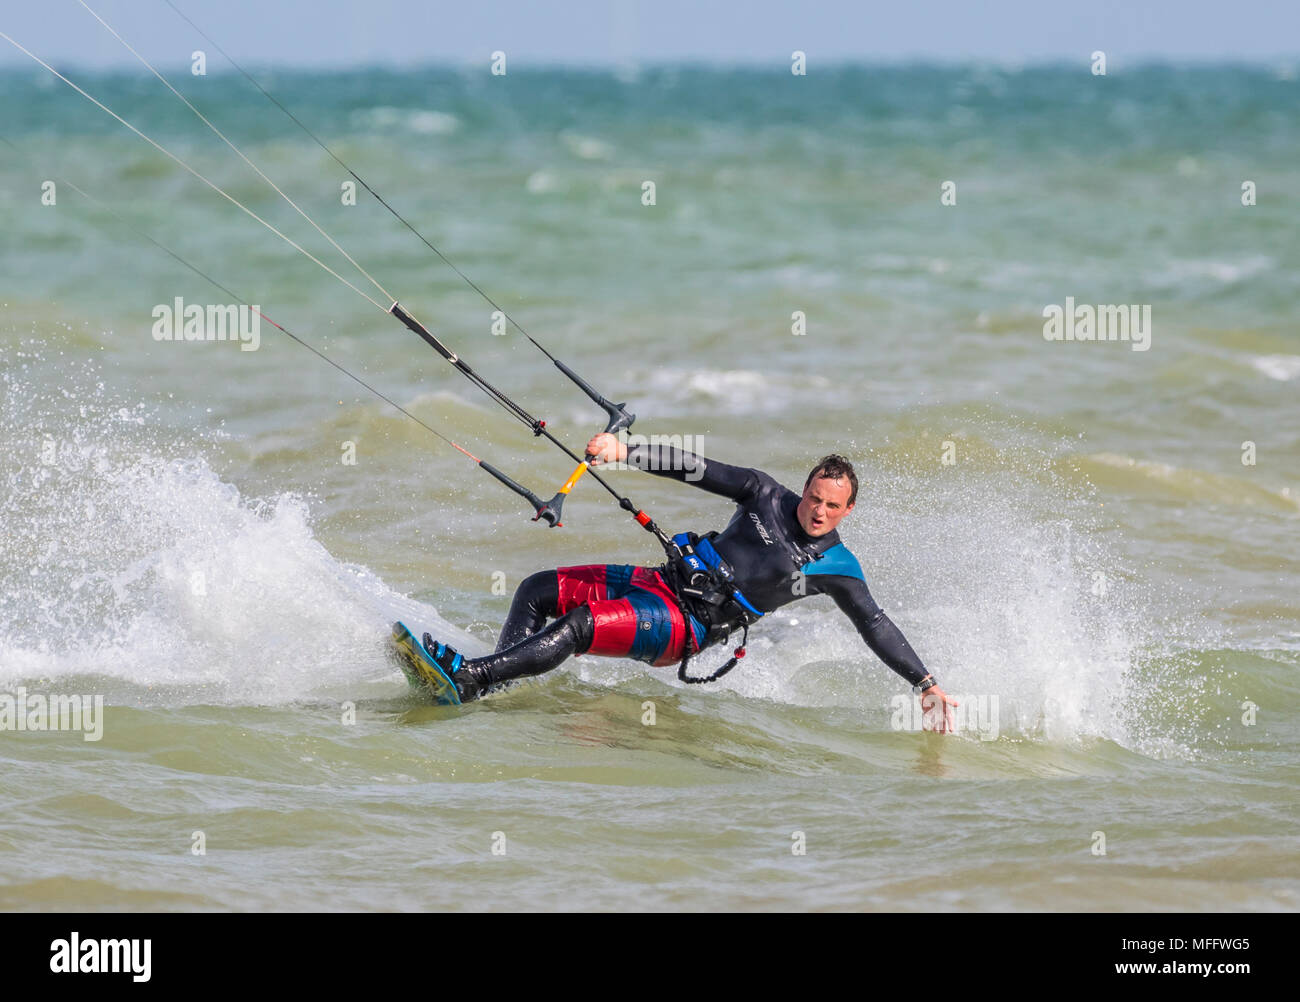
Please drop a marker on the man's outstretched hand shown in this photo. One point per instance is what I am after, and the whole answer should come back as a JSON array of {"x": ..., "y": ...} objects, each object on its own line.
[
  {"x": 606, "y": 448},
  {"x": 933, "y": 701}
]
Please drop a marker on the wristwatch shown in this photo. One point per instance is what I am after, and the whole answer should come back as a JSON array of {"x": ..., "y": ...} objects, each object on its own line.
[{"x": 924, "y": 684}]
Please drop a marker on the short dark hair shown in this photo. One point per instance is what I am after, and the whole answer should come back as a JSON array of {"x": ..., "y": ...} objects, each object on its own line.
[{"x": 834, "y": 467}]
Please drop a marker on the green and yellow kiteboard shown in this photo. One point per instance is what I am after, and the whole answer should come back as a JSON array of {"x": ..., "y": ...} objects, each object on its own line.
[{"x": 420, "y": 669}]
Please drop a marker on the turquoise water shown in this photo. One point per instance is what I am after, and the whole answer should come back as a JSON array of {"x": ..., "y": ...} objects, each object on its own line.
[{"x": 183, "y": 537}]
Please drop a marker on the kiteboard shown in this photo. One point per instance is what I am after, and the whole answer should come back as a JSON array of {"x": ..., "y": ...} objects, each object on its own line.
[{"x": 420, "y": 669}]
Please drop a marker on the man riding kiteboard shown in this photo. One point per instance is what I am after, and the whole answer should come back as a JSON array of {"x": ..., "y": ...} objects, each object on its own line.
[{"x": 778, "y": 547}]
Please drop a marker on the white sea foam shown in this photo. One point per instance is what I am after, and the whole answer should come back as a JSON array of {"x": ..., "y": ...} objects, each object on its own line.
[
  {"x": 423, "y": 121},
  {"x": 586, "y": 147},
  {"x": 129, "y": 560},
  {"x": 1179, "y": 271},
  {"x": 1283, "y": 368},
  {"x": 738, "y": 391}
]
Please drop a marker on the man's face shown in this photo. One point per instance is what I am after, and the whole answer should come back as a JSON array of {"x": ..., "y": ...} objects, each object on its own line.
[{"x": 824, "y": 503}]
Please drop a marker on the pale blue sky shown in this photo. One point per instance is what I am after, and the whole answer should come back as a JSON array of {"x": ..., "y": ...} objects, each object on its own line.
[{"x": 282, "y": 33}]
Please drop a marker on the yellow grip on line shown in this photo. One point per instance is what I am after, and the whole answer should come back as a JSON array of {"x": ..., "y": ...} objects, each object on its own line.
[{"x": 577, "y": 475}]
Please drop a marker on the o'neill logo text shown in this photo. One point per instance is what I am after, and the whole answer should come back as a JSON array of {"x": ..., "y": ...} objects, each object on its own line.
[
  {"x": 1098, "y": 323},
  {"x": 178, "y": 322}
]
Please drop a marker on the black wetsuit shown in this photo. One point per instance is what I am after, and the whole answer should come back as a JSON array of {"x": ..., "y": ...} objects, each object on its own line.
[{"x": 774, "y": 560}]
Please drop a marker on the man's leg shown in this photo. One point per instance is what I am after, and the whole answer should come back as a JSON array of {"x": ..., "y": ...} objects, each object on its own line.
[
  {"x": 569, "y": 635},
  {"x": 605, "y": 609},
  {"x": 523, "y": 647},
  {"x": 536, "y": 600}
]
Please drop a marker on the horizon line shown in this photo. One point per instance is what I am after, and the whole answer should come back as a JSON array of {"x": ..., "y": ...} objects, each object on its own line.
[{"x": 1281, "y": 61}]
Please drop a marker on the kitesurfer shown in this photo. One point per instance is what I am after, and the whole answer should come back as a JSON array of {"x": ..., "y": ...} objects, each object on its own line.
[{"x": 778, "y": 547}]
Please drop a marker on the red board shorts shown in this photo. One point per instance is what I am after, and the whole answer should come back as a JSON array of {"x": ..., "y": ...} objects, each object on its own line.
[{"x": 635, "y": 612}]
